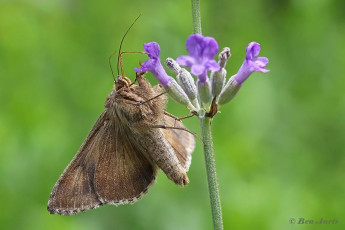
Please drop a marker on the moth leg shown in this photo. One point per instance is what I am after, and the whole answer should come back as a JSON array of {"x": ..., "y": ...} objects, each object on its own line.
[
  {"x": 135, "y": 80},
  {"x": 138, "y": 75},
  {"x": 122, "y": 53},
  {"x": 171, "y": 115},
  {"x": 180, "y": 118},
  {"x": 179, "y": 128},
  {"x": 188, "y": 116}
]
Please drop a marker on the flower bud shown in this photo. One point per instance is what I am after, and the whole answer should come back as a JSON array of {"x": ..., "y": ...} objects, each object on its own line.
[
  {"x": 172, "y": 64},
  {"x": 224, "y": 57},
  {"x": 218, "y": 78},
  {"x": 204, "y": 90},
  {"x": 176, "y": 92},
  {"x": 185, "y": 80},
  {"x": 229, "y": 91}
]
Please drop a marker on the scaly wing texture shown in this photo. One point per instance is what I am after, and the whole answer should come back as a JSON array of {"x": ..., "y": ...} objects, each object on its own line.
[
  {"x": 123, "y": 173},
  {"x": 74, "y": 191},
  {"x": 182, "y": 142},
  {"x": 104, "y": 160}
]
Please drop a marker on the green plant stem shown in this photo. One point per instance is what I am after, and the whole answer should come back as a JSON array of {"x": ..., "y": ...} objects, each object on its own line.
[
  {"x": 196, "y": 17},
  {"x": 205, "y": 123}
]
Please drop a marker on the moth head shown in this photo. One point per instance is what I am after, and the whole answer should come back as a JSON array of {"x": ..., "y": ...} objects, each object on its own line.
[{"x": 122, "y": 81}]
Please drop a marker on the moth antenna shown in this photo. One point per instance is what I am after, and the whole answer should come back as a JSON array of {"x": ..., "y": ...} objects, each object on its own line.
[
  {"x": 141, "y": 103},
  {"x": 119, "y": 59},
  {"x": 111, "y": 68}
]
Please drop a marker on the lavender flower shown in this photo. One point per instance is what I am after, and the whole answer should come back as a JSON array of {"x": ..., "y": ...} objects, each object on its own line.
[
  {"x": 154, "y": 65},
  {"x": 201, "y": 56},
  {"x": 251, "y": 63}
]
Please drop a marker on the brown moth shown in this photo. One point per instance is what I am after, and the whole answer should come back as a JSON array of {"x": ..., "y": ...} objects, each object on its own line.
[{"x": 119, "y": 160}]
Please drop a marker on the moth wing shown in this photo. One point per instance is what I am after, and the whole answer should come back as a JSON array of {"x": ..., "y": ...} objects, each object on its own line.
[
  {"x": 88, "y": 182},
  {"x": 74, "y": 191},
  {"x": 182, "y": 141},
  {"x": 123, "y": 173}
]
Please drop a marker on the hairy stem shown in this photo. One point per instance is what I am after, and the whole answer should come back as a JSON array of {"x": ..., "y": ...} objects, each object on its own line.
[
  {"x": 196, "y": 17},
  {"x": 205, "y": 123}
]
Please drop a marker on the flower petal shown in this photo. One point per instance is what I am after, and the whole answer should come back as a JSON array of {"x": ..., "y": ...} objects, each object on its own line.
[
  {"x": 194, "y": 45},
  {"x": 138, "y": 70},
  {"x": 154, "y": 64},
  {"x": 212, "y": 65},
  {"x": 262, "y": 61},
  {"x": 259, "y": 64},
  {"x": 263, "y": 70},
  {"x": 210, "y": 48},
  {"x": 185, "y": 60},
  {"x": 153, "y": 49},
  {"x": 197, "y": 69},
  {"x": 201, "y": 55},
  {"x": 252, "y": 50},
  {"x": 148, "y": 65}
]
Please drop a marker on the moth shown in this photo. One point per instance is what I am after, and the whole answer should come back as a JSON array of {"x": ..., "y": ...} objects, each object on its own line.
[{"x": 120, "y": 158}]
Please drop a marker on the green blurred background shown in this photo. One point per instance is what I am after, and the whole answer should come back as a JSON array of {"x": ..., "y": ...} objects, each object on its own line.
[{"x": 279, "y": 145}]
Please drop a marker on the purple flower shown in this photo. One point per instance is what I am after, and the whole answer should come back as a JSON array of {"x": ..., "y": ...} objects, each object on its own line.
[
  {"x": 201, "y": 56},
  {"x": 251, "y": 63},
  {"x": 154, "y": 64}
]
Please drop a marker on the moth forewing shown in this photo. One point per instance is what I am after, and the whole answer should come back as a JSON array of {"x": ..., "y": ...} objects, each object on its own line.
[
  {"x": 74, "y": 191},
  {"x": 123, "y": 174},
  {"x": 117, "y": 162}
]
